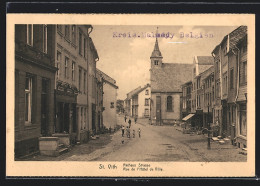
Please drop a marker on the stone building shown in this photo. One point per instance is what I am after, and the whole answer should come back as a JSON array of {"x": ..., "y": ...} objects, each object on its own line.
[
  {"x": 222, "y": 88},
  {"x": 166, "y": 80},
  {"x": 186, "y": 98},
  {"x": 207, "y": 78},
  {"x": 109, "y": 100},
  {"x": 128, "y": 102},
  {"x": 141, "y": 102},
  {"x": 236, "y": 57},
  {"x": 76, "y": 57},
  {"x": 34, "y": 86}
]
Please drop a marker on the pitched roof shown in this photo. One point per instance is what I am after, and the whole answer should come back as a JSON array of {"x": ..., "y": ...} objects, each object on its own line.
[
  {"x": 137, "y": 92},
  {"x": 203, "y": 68},
  {"x": 106, "y": 77},
  {"x": 131, "y": 93},
  {"x": 170, "y": 76},
  {"x": 236, "y": 36},
  {"x": 206, "y": 73},
  {"x": 205, "y": 60}
]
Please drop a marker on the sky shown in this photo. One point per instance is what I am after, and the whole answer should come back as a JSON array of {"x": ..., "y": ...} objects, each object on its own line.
[{"x": 127, "y": 59}]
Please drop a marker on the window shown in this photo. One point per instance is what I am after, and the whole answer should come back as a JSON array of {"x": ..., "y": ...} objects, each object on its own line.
[
  {"x": 231, "y": 79},
  {"x": 66, "y": 67},
  {"x": 245, "y": 72},
  {"x": 146, "y": 92},
  {"x": 79, "y": 79},
  {"x": 59, "y": 28},
  {"x": 73, "y": 71},
  {"x": 146, "y": 112},
  {"x": 82, "y": 120},
  {"x": 169, "y": 103},
  {"x": 58, "y": 63},
  {"x": 45, "y": 38},
  {"x": 156, "y": 62},
  {"x": 73, "y": 29},
  {"x": 67, "y": 32},
  {"x": 80, "y": 43},
  {"x": 28, "y": 99},
  {"x": 30, "y": 35},
  {"x": 84, "y": 48},
  {"x": 146, "y": 102},
  {"x": 84, "y": 82}
]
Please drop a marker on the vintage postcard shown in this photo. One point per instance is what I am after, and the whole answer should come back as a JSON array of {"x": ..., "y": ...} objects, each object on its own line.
[{"x": 130, "y": 95}]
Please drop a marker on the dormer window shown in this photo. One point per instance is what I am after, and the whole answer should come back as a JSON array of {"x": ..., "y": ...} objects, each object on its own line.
[{"x": 156, "y": 62}]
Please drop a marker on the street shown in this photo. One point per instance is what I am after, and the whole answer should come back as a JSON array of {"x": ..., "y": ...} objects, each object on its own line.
[{"x": 157, "y": 143}]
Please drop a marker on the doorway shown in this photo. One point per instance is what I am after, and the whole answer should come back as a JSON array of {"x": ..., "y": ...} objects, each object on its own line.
[{"x": 158, "y": 110}]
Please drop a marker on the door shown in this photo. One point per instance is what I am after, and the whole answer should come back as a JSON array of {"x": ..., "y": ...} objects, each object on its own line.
[
  {"x": 44, "y": 101},
  {"x": 158, "y": 110}
]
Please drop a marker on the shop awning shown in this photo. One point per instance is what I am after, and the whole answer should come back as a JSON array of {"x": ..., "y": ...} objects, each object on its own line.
[{"x": 188, "y": 117}]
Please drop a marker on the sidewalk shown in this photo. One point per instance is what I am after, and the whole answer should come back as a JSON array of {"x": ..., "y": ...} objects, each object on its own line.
[
  {"x": 217, "y": 153},
  {"x": 88, "y": 151}
]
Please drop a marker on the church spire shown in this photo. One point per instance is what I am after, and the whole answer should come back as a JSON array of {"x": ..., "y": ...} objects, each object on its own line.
[{"x": 156, "y": 51}]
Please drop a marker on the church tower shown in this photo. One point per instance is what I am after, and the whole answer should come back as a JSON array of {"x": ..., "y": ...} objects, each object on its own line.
[{"x": 156, "y": 57}]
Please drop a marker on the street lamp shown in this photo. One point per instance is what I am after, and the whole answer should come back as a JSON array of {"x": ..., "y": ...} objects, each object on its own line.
[{"x": 208, "y": 128}]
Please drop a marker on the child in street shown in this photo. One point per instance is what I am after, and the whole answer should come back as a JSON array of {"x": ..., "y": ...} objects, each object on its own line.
[
  {"x": 139, "y": 132},
  {"x": 123, "y": 131},
  {"x": 135, "y": 119},
  {"x": 122, "y": 140}
]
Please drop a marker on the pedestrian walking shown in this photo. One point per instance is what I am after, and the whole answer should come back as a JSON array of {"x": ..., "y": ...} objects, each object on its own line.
[
  {"x": 129, "y": 122},
  {"x": 128, "y": 132},
  {"x": 135, "y": 119},
  {"x": 133, "y": 133},
  {"x": 139, "y": 132},
  {"x": 123, "y": 131},
  {"x": 125, "y": 118},
  {"x": 122, "y": 140}
]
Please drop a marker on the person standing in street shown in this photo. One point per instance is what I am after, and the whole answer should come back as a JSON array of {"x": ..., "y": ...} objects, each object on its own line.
[
  {"x": 135, "y": 119},
  {"x": 123, "y": 131},
  {"x": 125, "y": 118},
  {"x": 129, "y": 122},
  {"x": 139, "y": 132},
  {"x": 133, "y": 133}
]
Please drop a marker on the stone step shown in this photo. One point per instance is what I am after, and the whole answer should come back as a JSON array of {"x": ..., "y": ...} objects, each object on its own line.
[
  {"x": 63, "y": 150},
  {"x": 61, "y": 145}
]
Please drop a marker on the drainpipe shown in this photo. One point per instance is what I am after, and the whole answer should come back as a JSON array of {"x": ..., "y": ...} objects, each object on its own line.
[{"x": 238, "y": 69}]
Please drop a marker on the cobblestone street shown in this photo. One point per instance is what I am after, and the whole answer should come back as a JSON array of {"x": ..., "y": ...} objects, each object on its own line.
[{"x": 157, "y": 143}]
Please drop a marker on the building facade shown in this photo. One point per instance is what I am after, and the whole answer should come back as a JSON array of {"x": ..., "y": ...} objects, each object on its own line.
[
  {"x": 141, "y": 102},
  {"x": 76, "y": 82},
  {"x": 34, "y": 86},
  {"x": 109, "y": 100},
  {"x": 166, "y": 80},
  {"x": 186, "y": 98},
  {"x": 207, "y": 78}
]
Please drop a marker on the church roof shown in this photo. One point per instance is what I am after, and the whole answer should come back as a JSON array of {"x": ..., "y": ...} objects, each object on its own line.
[
  {"x": 205, "y": 60},
  {"x": 156, "y": 51},
  {"x": 170, "y": 77}
]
